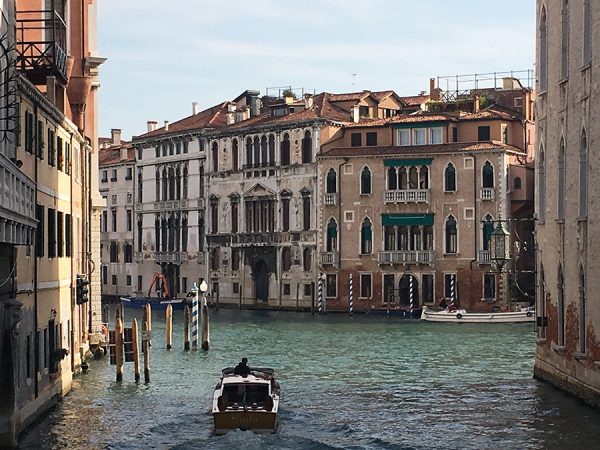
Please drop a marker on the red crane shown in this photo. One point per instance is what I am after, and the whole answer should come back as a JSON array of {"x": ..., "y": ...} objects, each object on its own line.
[{"x": 162, "y": 285}]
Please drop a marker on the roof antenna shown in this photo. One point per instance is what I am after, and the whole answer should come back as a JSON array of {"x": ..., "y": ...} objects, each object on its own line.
[{"x": 353, "y": 78}]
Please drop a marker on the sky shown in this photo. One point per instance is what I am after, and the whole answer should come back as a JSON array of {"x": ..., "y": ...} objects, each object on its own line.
[{"x": 165, "y": 54}]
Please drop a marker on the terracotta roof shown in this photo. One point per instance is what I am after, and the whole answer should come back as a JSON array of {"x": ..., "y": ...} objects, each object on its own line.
[
  {"x": 493, "y": 112},
  {"x": 380, "y": 95},
  {"x": 349, "y": 96},
  {"x": 112, "y": 155},
  {"x": 415, "y": 100},
  {"x": 209, "y": 118},
  {"x": 453, "y": 147}
]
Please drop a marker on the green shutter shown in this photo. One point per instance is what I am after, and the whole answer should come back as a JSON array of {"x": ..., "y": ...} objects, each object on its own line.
[
  {"x": 407, "y": 162},
  {"x": 406, "y": 219}
]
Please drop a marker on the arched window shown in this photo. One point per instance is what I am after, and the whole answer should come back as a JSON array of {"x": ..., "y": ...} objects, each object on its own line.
[
  {"x": 488, "y": 175},
  {"x": 413, "y": 178},
  {"x": 451, "y": 235},
  {"x": 561, "y": 180},
  {"x": 164, "y": 234},
  {"x": 488, "y": 229},
  {"x": 587, "y": 32},
  {"x": 184, "y": 233},
  {"x": 249, "y": 152},
  {"x": 264, "y": 151},
  {"x": 307, "y": 259},
  {"x": 156, "y": 232},
  {"x": 365, "y": 181},
  {"x": 403, "y": 178},
  {"x": 178, "y": 184},
  {"x": 157, "y": 185},
  {"x": 234, "y": 214},
  {"x": 286, "y": 259},
  {"x": 366, "y": 237},
  {"x": 235, "y": 259},
  {"x": 331, "y": 235},
  {"x": 285, "y": 150},
  {"x": 140, "y": 230},
  {"x": 256, "y": 152},
  {"x": 450, "y": 178},
  {"x": 185, "y": 182},
  {"x": 392, "y": 179},
  {"x": 306, "y": 221},
  {"x": 215, "y": 157},
  {"x": 517, "y": 183},
  {"x": 541, "y": 186},
  {"x": 307, "y": 148},
  {"x": 424, "y": 177},
  {"x": 564, "y": 39},
  {"x": 583, "y": 176},
  {"x": 331, "y": 181},
  {"x": 214, "y": 259},
  {"x": 271, "y": 150},
  {"x": 235, "y": 165},
  {"x": 171, "y": 183},
  {"x": 214, "y": 215},
  {"x": 543, "y": 54}
]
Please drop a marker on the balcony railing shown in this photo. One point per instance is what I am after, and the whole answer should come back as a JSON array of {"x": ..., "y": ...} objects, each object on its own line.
[
  {"x": 329, "y": 258},
  {"x": 170, "y": 257},
  {"x": 407, "y": 196},
  {"x": 254, "y": 239},
  {"x": 41, "y": 44},
  {"x": 331, "y": 199},
  {"x": 407, "y": 257},
  {"x": 485, "y": 257},
  {"x": 488, "y": 194}
]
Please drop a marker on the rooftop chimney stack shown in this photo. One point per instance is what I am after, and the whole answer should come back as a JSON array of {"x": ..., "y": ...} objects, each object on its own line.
[
  {"x": 151, "y": 125},
  {"x": 230, "y": 117},
  {"x": 194, "y": 108},
  {"x": 434, "y": 93},
  {"x": 115, "y": 136},
  {"x": 356, "y": 113},
  {"x": 476, "y": 104},
  {"x": 308, "y": 101},
  {"x": 166, "y": 125}
]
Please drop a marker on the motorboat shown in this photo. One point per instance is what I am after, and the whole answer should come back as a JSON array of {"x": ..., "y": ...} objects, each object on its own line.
[
  {"x": 246, "y": 402},
  {"x": 462, "y": 316}
]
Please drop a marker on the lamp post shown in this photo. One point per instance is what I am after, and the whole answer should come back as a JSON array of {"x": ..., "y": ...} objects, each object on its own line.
[{"x": 500, "y": 248}]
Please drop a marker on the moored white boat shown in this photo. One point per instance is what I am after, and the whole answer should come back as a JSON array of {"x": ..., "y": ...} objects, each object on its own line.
[
  {"x": 246, "y": 403},
  {"x": 462, "y": 316}
]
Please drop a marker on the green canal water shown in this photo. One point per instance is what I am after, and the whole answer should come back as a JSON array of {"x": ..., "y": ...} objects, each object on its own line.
[{"x": 359, "y": 382}]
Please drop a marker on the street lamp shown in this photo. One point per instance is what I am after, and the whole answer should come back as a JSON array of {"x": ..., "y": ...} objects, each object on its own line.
[
  {"x": 500, "y": 248},
  {"x": 203, "y": 289}
]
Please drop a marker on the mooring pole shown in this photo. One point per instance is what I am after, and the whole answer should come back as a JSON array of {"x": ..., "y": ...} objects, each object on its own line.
[
  {"x": 195, "y": 318},
  {"x": 136, "y": 350},
  {"x": 146, "y": 342},
  {"x": 205, "y": 336},
  {"x": 119, "y": 348},
  {"x": 186, "y": 326},
  {"x": 169, "y": 325}
]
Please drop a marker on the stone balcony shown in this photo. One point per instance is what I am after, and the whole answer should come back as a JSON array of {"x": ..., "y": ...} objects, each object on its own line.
[
  {"x": 330, "y": 199},
  {"x": 407, "y": 257},
  {"x": 488, "y": 194},
  {"x": 170, "y": 257},
  {"x": 407, "y": 196},
  {"x": 330, "y": 258},
  {"x": 484, "y": 257}
]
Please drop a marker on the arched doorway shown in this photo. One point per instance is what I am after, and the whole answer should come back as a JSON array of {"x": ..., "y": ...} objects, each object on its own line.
[
  {"x": 404, "y": 289},
  {"x": 261, "y": 281}
]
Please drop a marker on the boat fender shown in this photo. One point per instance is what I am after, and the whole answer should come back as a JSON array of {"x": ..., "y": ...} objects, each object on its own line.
[
  {"x": 529, "y": 313},
  {"x": 269, "y": 404},
  {"x": 459, "y": 316}
]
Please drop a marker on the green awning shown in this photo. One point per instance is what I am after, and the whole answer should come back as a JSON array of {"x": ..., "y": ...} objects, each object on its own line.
[
  {"x": 406, "y": 219},
  {"x": 407, "y": 162}
]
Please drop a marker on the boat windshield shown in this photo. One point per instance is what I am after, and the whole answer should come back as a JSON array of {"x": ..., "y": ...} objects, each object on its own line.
[{"x": 240, "y": 394}]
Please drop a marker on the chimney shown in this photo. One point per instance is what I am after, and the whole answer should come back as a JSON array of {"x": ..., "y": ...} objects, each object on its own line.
[
  {"x": 256, "y": 107},
  {"x": 288, "y": 98},
  {"x": 356, "y": 113},
  {"x": 230, "y": 117},
  {"x": 194, "y": 108},
  {"x": 115, "y": 136},
  {"x": 476, "y": 104},
  {"x": 151, "y": 125},
  {"x": 166, "y": 125},
  {"x": 434, "y": 93},
  {"x": 308, "y": 101}
]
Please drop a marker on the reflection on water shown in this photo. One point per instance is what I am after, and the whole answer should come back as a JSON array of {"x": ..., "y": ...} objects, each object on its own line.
[{"x": 347, "y": 383}]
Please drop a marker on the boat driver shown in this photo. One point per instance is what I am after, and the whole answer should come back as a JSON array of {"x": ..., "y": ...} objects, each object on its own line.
[{"x": 242, "y": 368}]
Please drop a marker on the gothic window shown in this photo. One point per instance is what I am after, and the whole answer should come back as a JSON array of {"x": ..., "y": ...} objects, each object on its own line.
[
  {"x": 543, "y": 54},
  {"x": 286, "y": 259},
  {"x": 214, "y": 259},
  {"x": 450, "y": 178},
  {"x": 139, "y": 233},
  {"x": 214, "y": 216},
  {"x": 264, "y": 151},
  {"x": 331, "y": 235},
  {"x": 235, "y": 259},
  {"x": 184, "y": 234},
  {"x": 271, "y": 150},
  {"x": 561, "y": 180},
  {"x": 488, "y": 175},
  {"x": 307, "y": 259},
  {"x": 366, "y": 237},
  {"x": 517, "y": 184},
  {"x": 564, "y": 39},
  {"x": 587, "y": 32},
  {"x": 215, "y": 157},
  {"x": 235, "y": 154},
  {"x": 285, "y": 150},
  {"x": 140, "y": 186},
  {"x": 487, "y": 230},
  {"x": 185, "y": 183},
  {"x": 365, "y": 181},
  {"x": 306, "y": 212},
  {"x": 331, "y": 181},
  {"x": 307, "y": 148},
  {"x": 234, "y": 215},
  {"x": 392, "y": 179},
  {"x": 157, "y": 232},
  {"x": 285, "y": 214},
  {"x": 249, "y": 152},
  {"x": 256, "y": 152},
  {"x": 541, "y": 186},
  {"x": 158, "y": 185},
  {"x": 424, "y": 177},
  {"x": 451, "y": 235},
  {"x": 583, "y": 175}
]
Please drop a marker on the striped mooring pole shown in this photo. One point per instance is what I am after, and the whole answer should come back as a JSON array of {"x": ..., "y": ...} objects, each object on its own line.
[
  {"x": 411, "y": 294},
  {"x": 320, "y": 293},
  {"x": 195, "y": 318},
  {"x": 452, "y": 289},
  {"x": 351, "y": 295}
]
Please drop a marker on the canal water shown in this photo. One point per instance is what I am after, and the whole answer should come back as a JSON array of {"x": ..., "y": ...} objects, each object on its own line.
[{"x": 359, "y": 382}]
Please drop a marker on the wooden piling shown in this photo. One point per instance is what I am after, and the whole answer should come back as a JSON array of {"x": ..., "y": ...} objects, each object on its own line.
[
  {"x": 119, "y": 348},
  {"x": 169, "y": 325},
  {"x": 146, "y": 342},
  {"x": 136, "y": 350},
  {"x": 186, "y": 327},
  {"x": 204, "y": 323}
]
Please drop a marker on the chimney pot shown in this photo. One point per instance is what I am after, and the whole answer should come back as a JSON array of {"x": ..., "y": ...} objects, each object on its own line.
[
  {"x": 166, "y": 125},
  {"x": 194, "y": 108},
  {"x": 151, "y": 125},
  {"x": 115, "y": 136},
  {"x": 355, "y": 113}
]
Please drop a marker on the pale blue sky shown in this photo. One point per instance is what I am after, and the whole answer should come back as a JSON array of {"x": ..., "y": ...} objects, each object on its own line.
[{"x": 165, "y": 54}]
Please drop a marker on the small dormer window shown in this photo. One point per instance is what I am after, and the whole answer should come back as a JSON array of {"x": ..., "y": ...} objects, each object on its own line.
[{"x": 363, "y": 111}]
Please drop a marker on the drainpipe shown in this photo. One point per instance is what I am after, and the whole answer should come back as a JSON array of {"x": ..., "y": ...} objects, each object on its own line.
[
  {"x": 35, "y": 258},
  {"x": 72, "y": 349}
]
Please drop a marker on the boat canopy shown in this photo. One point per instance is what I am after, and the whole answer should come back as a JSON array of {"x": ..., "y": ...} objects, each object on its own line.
[{"x": 229, "y": 370}]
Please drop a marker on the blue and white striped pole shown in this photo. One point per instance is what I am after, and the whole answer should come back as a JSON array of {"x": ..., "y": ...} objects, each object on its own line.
[
  {"x": 452, "y": 289},
  {"x": 351, "y": 295},
  {"x": 320, "y": 290},
  {"x": 195, "y": 318}
]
